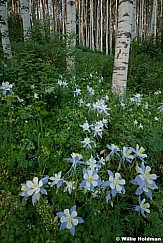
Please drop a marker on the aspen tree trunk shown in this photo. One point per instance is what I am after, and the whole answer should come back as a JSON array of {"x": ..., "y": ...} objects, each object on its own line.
[
  {"x": 161, "y": 25},
  {"x": 153, "y": 19},
  {"x": 122, "y": 48},
  {"x": 116, "y": 16},
  {"x": 145, "y": 20},
  {"x": 107, "y": 26},
  {"x": 86, "y": 24},
  {"x": 155, "y": 25},
  {"x": 37, "y": 11},
  {"x": 82, "y": 23},
  {"x": 79, "y": 21},
  {"x": 25, "y": 14},
  {"x": 30, "y": 12},
  {"x": 4, "y": 29},
  {"x": 133, "y": 28},
  {"x": 140, "y": 19},
  {"x": 55, "y": 11},
  {"x": 97, "y": 25},
  {"x": 50, "y": 14},
  {"x": 91, "y": 25},
  {"x": 111, "y": 28},
  {"x": 71, "y": 33},
  {"x": 63, "y": 17},
  {"x": 101, "y": 26}
]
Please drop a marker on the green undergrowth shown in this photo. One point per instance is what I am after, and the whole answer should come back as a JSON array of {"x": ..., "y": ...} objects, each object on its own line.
[{"x": 40, "y": 127}]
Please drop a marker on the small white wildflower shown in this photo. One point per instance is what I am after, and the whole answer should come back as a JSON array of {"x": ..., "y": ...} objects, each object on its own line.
[
  {"x": 36, "y": 96},
  {"x": 156, "y": 119},
  {"x": 140, "y": 126}
]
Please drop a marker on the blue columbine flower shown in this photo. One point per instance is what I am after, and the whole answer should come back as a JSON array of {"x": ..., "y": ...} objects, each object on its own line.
[
  {"x": 34, "y": 188},
  {"x": 97, "y": 130},
  {"x": 90, "y": 90},
  {"x": 115, "y": 183},
  {"x": 91, "y": 180},
  {"x": 142, "y": 207},
  {"x": 75, "y": 160},
  {"x": 145, "y": 180},
  {"x": 126, "y": 154},
  {"x": 56, "y": 180},
  {"x": 86, "y": 126},
  {"x": 7, "y": 88},
  {"x": 114, "y": 150},
  {"x": 139, "y": 153},
  {"x": 87, "y": 143},
  {"x": 70, "y": 185},
  {"x": 69, "y": 219}
]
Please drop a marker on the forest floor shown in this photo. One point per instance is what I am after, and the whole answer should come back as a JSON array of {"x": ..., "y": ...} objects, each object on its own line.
[{"x": 66, "y": 142}]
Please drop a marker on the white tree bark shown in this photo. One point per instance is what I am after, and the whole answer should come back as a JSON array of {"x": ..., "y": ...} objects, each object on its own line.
[
  {"x": 111, "y": 28},
  {"x": 141, "y": 27},
  {"x": 71, "y": 32},
  {"x": 107, "y": 26},
  {"x": 97, "y": 25},
  {"x": 153, "y": 19},
  {"x": 4, "y": 29},
  {"x": 25, "y": 14},
  {"x": 63, "y": 17},
  {"x": 50, "y": 14},
  {"x": 133, "y": 30},
  {"x": 123, "y": 39},
  {"x": 82, "y": 23},
  {"x": 101, "y": 26},
  {"x": 91, "y": 25}
]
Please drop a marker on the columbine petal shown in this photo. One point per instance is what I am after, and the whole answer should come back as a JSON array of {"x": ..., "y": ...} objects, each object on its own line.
[
  {"x": 69, "y": 225},
  {"x": 113, "y": 192},
  {"x": 66, "y": 212},
  {"x": 30, "y": 192},
  {"x": 34, "y": 199},
  {"x": 73, "y": 214},
  {"x": 35, "y": 180},
  {"x": 60, "y": 214},
  {"x": 149, "y": 194},
  {"x": 63, "y": 226},
  {"x": 139, "y": 191},
  {"x": 80, "y": 220},
  {"x": 110, "y": 173},
  {"x": 75, "y": 221},
  {"x": 153, "y": 176},
  {"x": 43, "y": 191},
  {"x": 94, "y": 183},
  {"x": 63, "y": 219},
  {"x": 40, "y": 184},
  {"x": 106, "y": 183},
  {"x": 29, "y": 184},
  {"x": 45, "y": 179},
  {"x": 72, "y": 230},
  {"x": 118, "y": 188}
]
